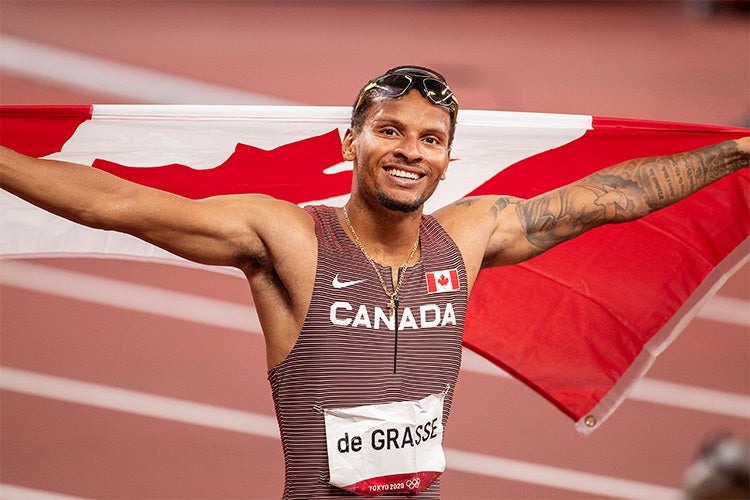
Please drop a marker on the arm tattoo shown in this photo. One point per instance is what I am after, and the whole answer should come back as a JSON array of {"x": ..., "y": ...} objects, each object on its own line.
[
  {"x": 500, "y": 205},
  {"x": 469, "y": 201},
  {"x": 625, "y": 192},
  {"x": 495, "y": 209},
  {"x": 569, "y": 211},
  {"x": 621, "y": 193},
  {"x": 668, "y": 179}
]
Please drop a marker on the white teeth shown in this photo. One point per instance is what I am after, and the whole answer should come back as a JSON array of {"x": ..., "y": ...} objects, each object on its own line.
[{"x": 401, "y": 173}]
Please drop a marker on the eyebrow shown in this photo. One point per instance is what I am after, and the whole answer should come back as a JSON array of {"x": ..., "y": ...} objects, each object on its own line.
[{"x": 387, "y": 119}]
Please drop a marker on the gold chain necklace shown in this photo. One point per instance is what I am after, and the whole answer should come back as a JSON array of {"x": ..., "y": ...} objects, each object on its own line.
[{"x": 393, "y": 302}]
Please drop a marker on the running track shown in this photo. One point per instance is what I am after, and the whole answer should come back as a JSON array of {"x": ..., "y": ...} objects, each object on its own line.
[{"x": 141, "y": 381}]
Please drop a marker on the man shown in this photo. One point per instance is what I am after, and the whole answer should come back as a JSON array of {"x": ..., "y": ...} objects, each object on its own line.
[{"x": 362, "y": 306}]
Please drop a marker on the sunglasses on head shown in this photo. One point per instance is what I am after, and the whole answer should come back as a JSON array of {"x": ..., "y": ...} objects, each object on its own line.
[{"x": 395, "y": 85}]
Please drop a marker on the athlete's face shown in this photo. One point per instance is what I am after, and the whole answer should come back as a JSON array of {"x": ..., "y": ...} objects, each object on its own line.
[{"x": 401, "y": 153}]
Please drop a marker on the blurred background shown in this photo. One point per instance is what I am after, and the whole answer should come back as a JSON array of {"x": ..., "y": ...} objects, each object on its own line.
[{"x": 104, "y": 398}]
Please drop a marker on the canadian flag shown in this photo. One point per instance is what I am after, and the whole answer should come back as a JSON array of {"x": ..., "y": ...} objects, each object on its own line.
[
  {"x": 442, "y": 281},
  {"x": 584, "y": 320}
]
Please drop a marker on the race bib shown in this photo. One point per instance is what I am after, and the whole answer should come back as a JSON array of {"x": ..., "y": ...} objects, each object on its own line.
[{"x": 386, "y": 448}]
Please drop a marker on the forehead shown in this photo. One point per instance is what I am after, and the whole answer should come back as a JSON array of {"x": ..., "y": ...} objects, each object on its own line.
[{"x": 411, "y": 109}]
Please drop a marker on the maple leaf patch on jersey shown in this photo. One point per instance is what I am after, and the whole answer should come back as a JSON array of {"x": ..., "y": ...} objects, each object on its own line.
[{"x": 442, "y": 281}]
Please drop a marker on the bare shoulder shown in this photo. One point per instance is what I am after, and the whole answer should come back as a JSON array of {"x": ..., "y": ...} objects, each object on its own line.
[{"x": 282, "y": 229}]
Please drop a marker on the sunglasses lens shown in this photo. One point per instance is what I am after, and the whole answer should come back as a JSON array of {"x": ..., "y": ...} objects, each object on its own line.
[
  {"x": 393, "y": 85},
  {"x": 436, "y": 91}
]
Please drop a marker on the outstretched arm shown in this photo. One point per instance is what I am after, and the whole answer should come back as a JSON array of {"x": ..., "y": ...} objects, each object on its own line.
[
  {"x": 501, "y": 230},
  {"x": 624, "y": 192},
  {"x": 225, "y": 230}
]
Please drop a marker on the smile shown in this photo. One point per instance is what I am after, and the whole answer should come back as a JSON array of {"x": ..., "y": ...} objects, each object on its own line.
[{"x": 395, "y": 172}]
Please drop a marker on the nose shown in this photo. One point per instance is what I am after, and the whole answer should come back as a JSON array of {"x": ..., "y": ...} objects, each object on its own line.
[{"x": 408, "y": 149}]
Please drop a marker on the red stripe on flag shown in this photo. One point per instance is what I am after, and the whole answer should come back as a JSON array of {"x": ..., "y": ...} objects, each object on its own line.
[
  {"x": 23, "y": 129},
  {"x": 454, "y": 279},
  {"x": 580, "y": 314},
  {"x": 431, "y": 285}
]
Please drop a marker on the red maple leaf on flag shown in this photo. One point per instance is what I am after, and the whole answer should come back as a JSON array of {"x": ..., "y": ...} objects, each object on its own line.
[{"x": 274, "y": 172}]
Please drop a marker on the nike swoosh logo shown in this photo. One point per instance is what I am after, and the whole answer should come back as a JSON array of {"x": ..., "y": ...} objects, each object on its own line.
[{"x": 344, "y": 284}]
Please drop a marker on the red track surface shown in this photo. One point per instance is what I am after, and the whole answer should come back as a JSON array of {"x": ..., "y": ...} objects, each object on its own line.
[{"x": 626, "y": 60}]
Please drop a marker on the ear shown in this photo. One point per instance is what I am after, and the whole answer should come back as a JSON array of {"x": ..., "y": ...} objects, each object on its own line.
[
  {"x": 347, "y": 148},
  {"x": 445, "y": 171}
]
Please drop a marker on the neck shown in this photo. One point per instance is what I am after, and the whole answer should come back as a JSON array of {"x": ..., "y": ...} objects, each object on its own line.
[{"x": 387, "y": 236}]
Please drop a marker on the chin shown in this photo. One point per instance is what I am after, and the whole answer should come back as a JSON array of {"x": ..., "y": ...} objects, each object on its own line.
[{"x": 399, "y": 205}]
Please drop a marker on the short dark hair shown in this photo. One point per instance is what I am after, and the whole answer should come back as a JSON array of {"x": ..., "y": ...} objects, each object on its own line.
[{"x": 368, "y": 94}]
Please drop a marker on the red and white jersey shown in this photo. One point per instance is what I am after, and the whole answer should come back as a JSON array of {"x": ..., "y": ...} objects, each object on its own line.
[{"x": 348, "y": 355}]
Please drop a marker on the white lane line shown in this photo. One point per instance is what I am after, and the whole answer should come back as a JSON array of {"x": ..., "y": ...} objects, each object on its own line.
[
  {"x": 76, "y": 70},
  {"x": 700, "y": 399},
  {"x": 217, "y": 313},
  {"x": 730, "y": 310},
  {"x": 150, "y": 405},
  {"x": 131, "y": 296},
  {"x": 556, "y": 477},
  {"x": 140, "y": 403},
  {"x": 14, "y": 492},
  {"x": 648, "y": 390}
]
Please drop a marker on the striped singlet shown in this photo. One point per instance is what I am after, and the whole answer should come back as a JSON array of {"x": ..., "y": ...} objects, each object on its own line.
[{"x": 344, "y": 356}]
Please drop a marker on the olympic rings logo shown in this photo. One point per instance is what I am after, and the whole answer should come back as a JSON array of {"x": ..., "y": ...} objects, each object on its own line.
[{"x": 413, "y": 484}]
